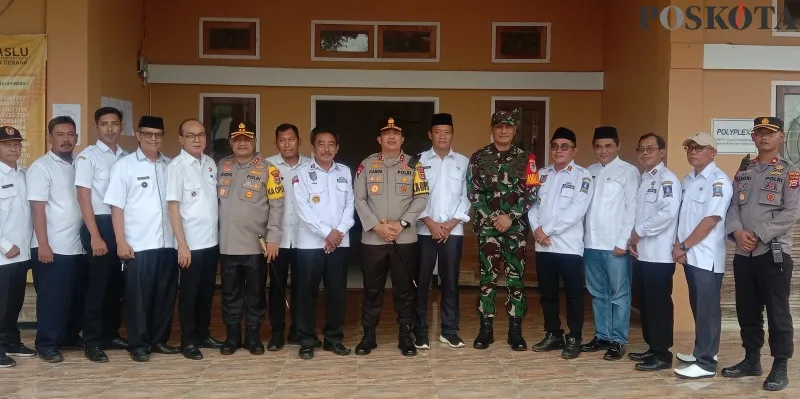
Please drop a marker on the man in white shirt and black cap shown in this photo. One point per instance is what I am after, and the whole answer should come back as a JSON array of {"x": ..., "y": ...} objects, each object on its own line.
[
  {"x": 557, "y": 224},
  {"x": 16, "y": 228},
  {"x": 323, "y": 191},
  {"x": 288, "y": 161},
  {"x": 106, "y": 284},
  {"x": 145, "y": 241},
  {"x": 193, "y": 213},
  {"x": 658, "y": 201},
  {"x": 441, "y": 231},
  {"x": 59, "y": 263},
  {"x": 609, "y": 222},
  {"x": 701, "y": 248}
]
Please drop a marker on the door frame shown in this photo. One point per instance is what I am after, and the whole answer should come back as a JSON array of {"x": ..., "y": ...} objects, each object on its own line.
[
  {"x": 257, "y": 97},
  {"x": 401, "y": 99},
  {"x": 546, "y": 101}
]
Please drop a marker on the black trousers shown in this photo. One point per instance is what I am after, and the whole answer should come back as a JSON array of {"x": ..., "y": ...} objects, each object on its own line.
[
  {"x": 761, "y": 282},
  {"x": 151, "y": 286},
  {"x": 13, "y": 278},
  {"x": 549, "y": 266},
  {"x": 378, "y": 262},
  {"x": 196, "y": 294},
  {"x": 278, "y": 278},
  {"x": 102, "y": 316},
  {"x": 315, "y": 267},
  {"x": 704, "y": 299},
  {"x": 449, "y": 257},
  {"x": 654, "y": 282},
  {"x": 244, "y": 285},
  {"x": 60, "y": 298}
]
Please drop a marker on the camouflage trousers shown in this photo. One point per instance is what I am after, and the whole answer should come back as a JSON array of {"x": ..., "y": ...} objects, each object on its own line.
[{"x": 504, "y": 254}]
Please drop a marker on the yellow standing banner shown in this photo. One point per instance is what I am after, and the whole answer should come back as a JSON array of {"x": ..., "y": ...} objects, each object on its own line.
[{"x": 22, "y": 90}]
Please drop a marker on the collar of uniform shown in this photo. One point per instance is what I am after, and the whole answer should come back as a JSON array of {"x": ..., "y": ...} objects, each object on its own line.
[
  {"x": 613, "y": 162},
  {"x": 249, "y": 163},
  {"x": 706, "y": 172},
  {"x": 56, "y": 157},
  {"x": 653, "y": 172},
  {"x": 430, "y": 154},
  {"x": 5, "y": 168},
  {"x": 569, "y": 168},
  {"x": 314, "y": 165},
  {"x": 300, "y": 161},
  {"x": 105, "y": 148},
  {"x": 189, "y": 158},
  {"x": 141, "y": 157},
  {"x": 395, "y": 160}
]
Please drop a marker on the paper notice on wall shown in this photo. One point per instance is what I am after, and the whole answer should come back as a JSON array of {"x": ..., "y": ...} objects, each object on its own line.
[
  {"x": 733, "y": 136},
  {"x": 73, "y": 111},
  {"x": 124, "y": 106}
]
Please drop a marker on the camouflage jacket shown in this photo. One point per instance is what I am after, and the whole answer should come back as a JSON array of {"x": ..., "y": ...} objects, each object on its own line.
[{"x": 496, "y": 185}]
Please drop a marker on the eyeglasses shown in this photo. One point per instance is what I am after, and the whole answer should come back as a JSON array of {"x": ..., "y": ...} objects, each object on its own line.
[
  {"x": 647, "y": 150},
  {"x": 695, "y": 148},
  {"x": 152, "y": 135},
  {"x": 193, "y": 137},
  {"x": 564, "y": 147}
]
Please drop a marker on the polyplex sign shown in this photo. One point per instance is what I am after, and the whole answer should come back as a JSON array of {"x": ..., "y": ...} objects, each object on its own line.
[{"x": 738, "y": 17}]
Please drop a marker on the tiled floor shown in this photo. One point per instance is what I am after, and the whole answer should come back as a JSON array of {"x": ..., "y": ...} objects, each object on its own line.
[{"x": 441, "y": 372}]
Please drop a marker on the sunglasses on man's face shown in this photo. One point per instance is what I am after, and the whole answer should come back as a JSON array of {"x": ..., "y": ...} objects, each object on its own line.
[{"x": 563, "y": 147}]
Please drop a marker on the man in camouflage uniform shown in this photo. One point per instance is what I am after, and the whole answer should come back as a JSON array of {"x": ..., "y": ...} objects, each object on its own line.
[{"x": 501, "y": 184}]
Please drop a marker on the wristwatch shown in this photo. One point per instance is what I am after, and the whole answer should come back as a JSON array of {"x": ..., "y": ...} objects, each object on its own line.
[
  {"x": 404, "y": 223},
  {"x": 683, "y": 248}
]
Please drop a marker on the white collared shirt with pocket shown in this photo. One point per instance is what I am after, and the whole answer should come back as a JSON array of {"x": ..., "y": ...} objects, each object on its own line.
[
  {"x": 325, "y": 201},
  {"x": 447, "y": 179},
  {"x": 92, "y": 171},
  {"x": 16, "y": 223},
  {"x": 51, "y": 179},
  {"x": 564, "y": 197},
  {"x": 138, "y": 186},
  {"x": 192, "y": 183},
  {"x": 290, "y": 220},
  {"x": 658, "y": 202},
  {"x": 706, "y": 194},
  {"x": 609, "y": 219}
]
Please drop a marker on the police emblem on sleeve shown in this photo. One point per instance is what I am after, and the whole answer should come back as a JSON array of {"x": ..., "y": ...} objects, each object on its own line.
[
  {"x": 275, "y": 188},
  {"x": 585, "y": 185},
  {"x": 420, "y": 184},
  {"x": 666, "y": 187},
  {"x": 716, "y": 189}
]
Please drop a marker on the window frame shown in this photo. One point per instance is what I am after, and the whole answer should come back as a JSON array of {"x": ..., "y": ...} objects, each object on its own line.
[
  {"x": 497, "y": 27},
  {"x": 207, "y": 23},
  {"x": 318, "y": 53},
  {"x": 376, "y": 43},
  {"x": 778, "y": 6}
]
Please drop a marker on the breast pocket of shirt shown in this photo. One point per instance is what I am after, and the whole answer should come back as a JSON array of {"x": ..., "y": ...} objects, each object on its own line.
[
  {"x": 565, "y": 196},
  {"x": 191, "y": 191},
  {"x": 6, "y": 197},
  {"x": 252, "y": 191},
  {"x": 697, "y": 201},
  {"x": 403, "y": 184},
  {"x": 651, "y": 195},
  {"x": 102, "y": 176},
  {"x": 341, "y": 190},
  {"x": 770, "y": 194},
  {"x": 743, "y": 196},
  {"x": 614, "y": 189},
  {"x": 456, "y": 181}
]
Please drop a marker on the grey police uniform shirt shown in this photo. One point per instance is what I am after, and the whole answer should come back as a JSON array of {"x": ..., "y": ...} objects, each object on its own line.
[
  {"x": 390, "y": 190},
  {"x": 765, "y": 201}
]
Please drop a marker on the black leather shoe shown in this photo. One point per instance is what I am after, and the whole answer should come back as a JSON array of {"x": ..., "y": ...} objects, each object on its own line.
[
  {"x": 6, "y": 362},
  {"x": 234, "y": 340},
  {"x": 572, "y": 348},
  {"x": 549, "y": 343},
  {"x": 652, "y": 364},
  {"x": 306, "y": 352},
  {"x": 95, "y": 354},
  {"x": 140, "y": 355},
  {"x": 596, "y": 344},
  {"x": 20, "y": 350},
  {"x": 192, "y": 352},
  {"x": 615, "y": 352},
  {"x": 777, "y": 379},
  {"x": 640, "y": 356},
  {"x": 165, "y": 349},
  {"x": 485, "y": 334},
  {"x": 750, "y": 366},
  {"x": 368, "y": 342},
  {"x": 209, "y": 343},
  {"x": 276, "y": 341},
  {"x": 252, "y": 340},
  {"x": 337, "y": 349},
  {"x": 51, "y": 356},
  {"x": 118, "y": 344},
  {"x": 404, "y": 341}
]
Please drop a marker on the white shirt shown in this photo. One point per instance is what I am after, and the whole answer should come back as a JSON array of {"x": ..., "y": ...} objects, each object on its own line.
[
  {"x": 609, "y": 220},
  {"x": 193, "y": 183},
  {"x": 325, "y": 201},
  {"x": 658, "y": 201},
  {"x": 564, "y": 197},
  {"x": 447, "y": 179},
  {"x": 51, "y": 179},
  {"x": 16, "y": 223},
  {"x": 290, "y": 219},
  {"x": 138, "y": 187},
  {"x": 704, "y": 195},
  {"x": 92, "y": 170}
]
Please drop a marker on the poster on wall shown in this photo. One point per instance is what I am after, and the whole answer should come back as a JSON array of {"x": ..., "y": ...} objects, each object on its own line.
[
  {"x": 733, "y": 136},
  {"x": 22, "y": 91},
  {"x": 124, "y": 106}
]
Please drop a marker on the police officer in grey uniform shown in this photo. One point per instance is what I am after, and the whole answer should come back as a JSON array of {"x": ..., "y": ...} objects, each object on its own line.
[
  {"x": 390, "y": 194},
  {"x": 251, "y": 199},
  {"x": 760, "y": 218}
]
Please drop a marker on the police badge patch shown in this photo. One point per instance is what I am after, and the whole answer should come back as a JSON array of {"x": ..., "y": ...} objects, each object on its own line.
[
  {"x": 666, "y": 187},
  {"x": 716, "y": 189},
  {"x": 312, "y": 175},
  {"x": 585, "y": 185}
]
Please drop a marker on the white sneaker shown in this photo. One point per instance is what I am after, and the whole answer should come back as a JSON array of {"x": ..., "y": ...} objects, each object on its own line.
[
  {"x": 690, "y": 358},
  {"x": 694, "y": 371},
  {"x": 453, "y": 340}
]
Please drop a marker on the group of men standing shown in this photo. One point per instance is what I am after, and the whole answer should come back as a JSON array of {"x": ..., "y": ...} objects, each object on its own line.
[{"x": 111, "y": 230}]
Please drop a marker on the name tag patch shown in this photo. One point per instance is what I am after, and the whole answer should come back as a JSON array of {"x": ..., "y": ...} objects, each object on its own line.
[
  {"x": 8, "y": 185},
  {"x": 341, "y": 179},
  {"x": 140, "y": 178}
]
